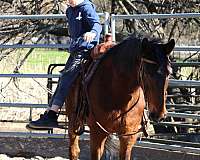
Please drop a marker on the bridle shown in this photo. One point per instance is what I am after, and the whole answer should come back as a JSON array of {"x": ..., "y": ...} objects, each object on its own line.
[
  {"x": 148, "y": 61},
  {"x": 141, "y": 70}
]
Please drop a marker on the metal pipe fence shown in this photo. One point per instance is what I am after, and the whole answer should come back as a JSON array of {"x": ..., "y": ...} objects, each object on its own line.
[
  {"x": 149, "y": 16},
  {"x": 66, "y": 46},
  {"x": 173, "y": 83},
  {"x": 52, "y": 16},
  {"x": 107, "y": 18}
]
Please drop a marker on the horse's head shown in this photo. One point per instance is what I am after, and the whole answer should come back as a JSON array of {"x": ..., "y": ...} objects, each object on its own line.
[{"x": 156, "y": 68}]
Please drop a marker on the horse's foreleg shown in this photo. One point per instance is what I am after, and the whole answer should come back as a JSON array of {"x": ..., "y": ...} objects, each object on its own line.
[
  {"x": 74, "y": 149},
  {"x": 126, "y": 144},
  {"x": 97, "y": 141}
]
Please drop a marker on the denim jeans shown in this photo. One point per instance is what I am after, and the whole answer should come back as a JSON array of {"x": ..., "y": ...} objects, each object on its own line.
[{"x": 68, "y": 75}]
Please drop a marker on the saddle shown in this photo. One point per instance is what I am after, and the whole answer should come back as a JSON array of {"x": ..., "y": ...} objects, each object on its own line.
[
  {"x": 102, "y": 48},
  {"x": 87, "y": 71}
]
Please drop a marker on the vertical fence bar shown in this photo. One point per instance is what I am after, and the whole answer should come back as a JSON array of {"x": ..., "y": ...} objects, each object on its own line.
[
  {"x": 113, "y": 27},
  {"x": 106, "y": 22}
]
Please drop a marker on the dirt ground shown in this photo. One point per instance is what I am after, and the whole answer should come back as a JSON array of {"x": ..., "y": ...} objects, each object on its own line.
[
  {"x": 5, "y": 157},
  {"x": 12, "y": 148},
  {"x": 38, "y": 148}
]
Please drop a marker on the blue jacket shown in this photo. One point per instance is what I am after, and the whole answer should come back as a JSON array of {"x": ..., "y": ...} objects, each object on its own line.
[{"x": 81, "y": 19}]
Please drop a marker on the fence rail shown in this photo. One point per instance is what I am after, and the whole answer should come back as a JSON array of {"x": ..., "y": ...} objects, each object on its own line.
[
  {"x": 156, "y": 16},
  {"x": 66, "y": 46},
  {"x": 184, "y": 83},
  {"x": 29, "y": 75},
  {"x": 23, "y": 105},
  {"x": 31, "y": 105},
  {"x": 107, "y": 18},
  {"x": 172, "y": 82},
  {"x": 149, "y": 16},
  {"x": 6, "y": 46},
  {"x": 186, "y": 64},
  {"x": 52, "y": 16},
  {"x": 38, "y": 17}
]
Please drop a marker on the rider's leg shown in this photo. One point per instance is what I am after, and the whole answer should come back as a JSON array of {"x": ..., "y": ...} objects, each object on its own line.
[{"x": 71, "y": 71}]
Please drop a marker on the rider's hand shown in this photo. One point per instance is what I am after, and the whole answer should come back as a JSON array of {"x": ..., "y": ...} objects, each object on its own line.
[{"x": 89, "y": 36}]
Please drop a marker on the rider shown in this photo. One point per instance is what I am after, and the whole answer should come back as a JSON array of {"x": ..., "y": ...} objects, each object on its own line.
[{"x": 84, "y": 29}]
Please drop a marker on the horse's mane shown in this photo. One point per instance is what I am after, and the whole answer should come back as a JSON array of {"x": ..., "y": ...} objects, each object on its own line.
[{"x": 127, "y": 53}]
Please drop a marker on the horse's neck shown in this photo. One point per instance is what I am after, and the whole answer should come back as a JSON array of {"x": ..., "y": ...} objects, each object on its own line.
[
  {"x": 126, "y": 84},
  {"x": 116, "y": 88},
  {"x": 127, "y": 72}
]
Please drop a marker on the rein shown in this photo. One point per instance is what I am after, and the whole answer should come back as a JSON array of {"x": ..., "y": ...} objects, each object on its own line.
[
  {"x": 120, "y": 116},
  {"x": 141, "y": 129},
  {"x": 144, "y": 120}
]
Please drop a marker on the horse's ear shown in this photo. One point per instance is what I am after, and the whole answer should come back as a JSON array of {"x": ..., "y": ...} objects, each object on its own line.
[{"x": 169, "y": 46}]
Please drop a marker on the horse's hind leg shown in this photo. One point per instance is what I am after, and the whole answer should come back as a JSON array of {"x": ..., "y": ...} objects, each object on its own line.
[
  {"x": 74, "y": 149},
  {"x": 97, "y": 141},
  {"x": 126, "y": 144}
]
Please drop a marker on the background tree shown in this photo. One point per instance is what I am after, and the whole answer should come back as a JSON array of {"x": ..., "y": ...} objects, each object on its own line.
[
  {"x": 163, "y": 28},
  {"x": 29, "y": 31}
]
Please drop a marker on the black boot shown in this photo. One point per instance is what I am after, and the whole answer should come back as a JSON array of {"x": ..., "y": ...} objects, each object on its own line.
[{"x": 47, "y": 120}]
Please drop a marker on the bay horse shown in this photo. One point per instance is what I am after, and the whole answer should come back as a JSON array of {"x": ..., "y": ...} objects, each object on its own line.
[{"x": 130, "y": 73}]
